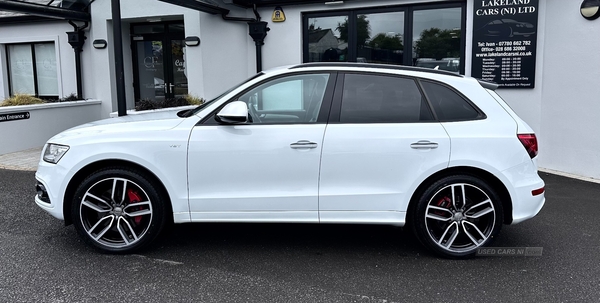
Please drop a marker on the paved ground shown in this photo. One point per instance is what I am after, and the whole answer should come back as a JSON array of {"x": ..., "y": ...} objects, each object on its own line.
[
  {"x": 43, "y": 261},
  {"x": 22, "y": 160}
]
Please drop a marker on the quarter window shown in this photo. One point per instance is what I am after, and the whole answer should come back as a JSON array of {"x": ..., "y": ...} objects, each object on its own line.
[
  {"x": 447, "y": 104},
  {"x": 382, "y": 99},
  {"x": 32, "y": 69}
]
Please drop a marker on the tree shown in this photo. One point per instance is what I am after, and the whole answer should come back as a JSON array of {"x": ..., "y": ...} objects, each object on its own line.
[
  {"x": 383, "y": 41},
  {"x": 363, "y": 30},
  {"x": 437, "y": 43}
]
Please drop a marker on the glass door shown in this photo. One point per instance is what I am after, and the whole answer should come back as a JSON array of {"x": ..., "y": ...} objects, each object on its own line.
[{"x": 159, "y": 61}]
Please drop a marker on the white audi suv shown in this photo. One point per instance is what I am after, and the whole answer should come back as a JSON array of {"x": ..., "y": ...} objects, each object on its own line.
[{"x": 312, "y": 143}]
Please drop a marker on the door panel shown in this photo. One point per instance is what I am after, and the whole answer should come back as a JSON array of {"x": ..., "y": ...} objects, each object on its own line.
[
  {"x": 178, "y": 86},
  {"x": 268, "y": 168},
  {"x": 151, "y": 73},
  {"x": 371, "y": 167},
  {"x": 381, "y": 140},
  {"x": 255, "y": 168}
]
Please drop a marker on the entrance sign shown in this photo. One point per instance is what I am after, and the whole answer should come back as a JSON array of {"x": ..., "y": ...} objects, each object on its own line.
[
  {"x": 14, "y": 116},
  {"x": 505, "y": 41}
]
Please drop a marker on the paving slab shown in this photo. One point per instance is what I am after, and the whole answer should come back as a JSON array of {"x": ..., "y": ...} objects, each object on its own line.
[{"x": 22, "y": 160}]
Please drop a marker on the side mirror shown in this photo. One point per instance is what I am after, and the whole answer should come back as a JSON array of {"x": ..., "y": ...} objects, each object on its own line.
[{"x": 235, "y": 112}]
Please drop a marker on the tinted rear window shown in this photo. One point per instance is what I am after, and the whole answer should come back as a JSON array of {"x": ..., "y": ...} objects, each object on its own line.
[
  {"x": 447, "y": 104},
  {"x": 382, "y": 99}
]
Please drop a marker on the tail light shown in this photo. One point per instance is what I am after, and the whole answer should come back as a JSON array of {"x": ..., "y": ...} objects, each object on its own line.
[{"x": 529, "y": 141}]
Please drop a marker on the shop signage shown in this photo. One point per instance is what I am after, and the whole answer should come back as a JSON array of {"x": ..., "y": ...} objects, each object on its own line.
[
  {"x": 504, "y": 42},
  {"x": 278, "y": 15},
  {"x": 14, "y": 116}
]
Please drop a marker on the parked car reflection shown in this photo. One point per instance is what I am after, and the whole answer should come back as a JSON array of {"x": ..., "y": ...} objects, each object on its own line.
[{"x": 508, "y": 28}]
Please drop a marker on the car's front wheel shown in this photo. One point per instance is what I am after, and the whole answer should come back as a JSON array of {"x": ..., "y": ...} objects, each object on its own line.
[
  {"x": 118, "y": 210},
  {"x": 456, "y": 215}
]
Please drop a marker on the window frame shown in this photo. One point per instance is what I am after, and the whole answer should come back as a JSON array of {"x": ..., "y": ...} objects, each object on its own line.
[
  {"x": 408, "y": 10},
  {"x": 34, "y": 66}
]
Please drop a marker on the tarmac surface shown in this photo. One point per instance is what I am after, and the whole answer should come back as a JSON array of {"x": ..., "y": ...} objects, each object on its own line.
[{"x": 43, "y": 261}]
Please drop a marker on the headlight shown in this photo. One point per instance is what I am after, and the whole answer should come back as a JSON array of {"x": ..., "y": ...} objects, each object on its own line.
[{"x": 54, "y": 152}]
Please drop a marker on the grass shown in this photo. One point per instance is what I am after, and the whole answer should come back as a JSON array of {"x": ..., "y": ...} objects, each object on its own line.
[
  {"x": 21, "y": 99},
  {"x": 146, "y": 104},
  {"x": 193, "y": 100}
]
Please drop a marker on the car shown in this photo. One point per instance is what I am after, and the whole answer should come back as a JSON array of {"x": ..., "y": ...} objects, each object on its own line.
[{"x": 338, "y": 143}]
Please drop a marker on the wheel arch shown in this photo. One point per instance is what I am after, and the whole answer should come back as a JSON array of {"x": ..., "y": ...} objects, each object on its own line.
[
  {"x": 92, "y": 167},
  {"x": 488, "y": 177}
]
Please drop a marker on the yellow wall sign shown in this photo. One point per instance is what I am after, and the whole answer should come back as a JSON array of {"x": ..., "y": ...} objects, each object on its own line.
[{"x": 278, "y": 15}]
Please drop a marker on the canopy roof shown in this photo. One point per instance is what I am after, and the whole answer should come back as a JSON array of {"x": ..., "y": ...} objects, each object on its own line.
[{"x": 74, "y": 10}]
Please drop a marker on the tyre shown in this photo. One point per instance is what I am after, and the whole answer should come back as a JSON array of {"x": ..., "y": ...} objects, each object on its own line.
[
  {"x": 119, "y": 210},
  {"x": 456, "y": 215}
]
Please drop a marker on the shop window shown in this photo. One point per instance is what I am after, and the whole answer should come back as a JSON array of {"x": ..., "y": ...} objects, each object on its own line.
[
  {"x": 437, "y": 38},
  {"x": 327, "y": 39},
  {"x": 430, "y": 36},
  {"x": 32, "y": 69}
]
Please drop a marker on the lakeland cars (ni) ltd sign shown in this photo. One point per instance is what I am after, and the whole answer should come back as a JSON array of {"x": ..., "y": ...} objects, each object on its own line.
[{"x": 504, "y": 42}]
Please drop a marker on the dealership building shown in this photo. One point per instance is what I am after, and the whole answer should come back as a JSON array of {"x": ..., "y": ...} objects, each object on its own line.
[{"x": 543, "y": 54}]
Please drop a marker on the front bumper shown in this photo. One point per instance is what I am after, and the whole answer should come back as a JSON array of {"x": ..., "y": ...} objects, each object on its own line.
[{"x": 51, "y": 177}]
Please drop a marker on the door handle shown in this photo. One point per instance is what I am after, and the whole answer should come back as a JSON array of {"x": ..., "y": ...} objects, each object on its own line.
[
  {"x": 303, "y": 144},
  {"x": 424, "y": 144},
  {"x": 168, "y": 87}
]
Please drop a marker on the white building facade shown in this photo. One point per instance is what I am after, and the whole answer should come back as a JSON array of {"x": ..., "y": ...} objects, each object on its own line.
[{"x": 561, "y": 106}]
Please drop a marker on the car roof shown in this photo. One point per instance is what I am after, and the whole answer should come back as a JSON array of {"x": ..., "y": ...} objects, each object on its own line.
[
  {"x": 359, "y": 66},
  {"x": 443, "y": 75}
]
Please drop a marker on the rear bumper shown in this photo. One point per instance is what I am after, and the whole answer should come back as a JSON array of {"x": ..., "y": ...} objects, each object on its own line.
[{"x": 525, "y": 179}]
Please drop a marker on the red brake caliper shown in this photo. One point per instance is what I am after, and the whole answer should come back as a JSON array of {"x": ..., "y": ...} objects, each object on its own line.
[
  {"x": 135, "y": 198},
  {"x": 444, "y": 202}
]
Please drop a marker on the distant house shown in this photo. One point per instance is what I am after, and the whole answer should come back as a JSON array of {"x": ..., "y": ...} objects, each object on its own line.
[{"x": 323, "y": 45}]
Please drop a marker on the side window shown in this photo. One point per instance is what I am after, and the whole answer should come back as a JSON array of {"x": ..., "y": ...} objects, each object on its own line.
[
  {"x": 382, "y": 99},
  {"x": 32, "y": 69},
  {"x": 293, "y": 99},
  {"x": 447, "y": 104}
]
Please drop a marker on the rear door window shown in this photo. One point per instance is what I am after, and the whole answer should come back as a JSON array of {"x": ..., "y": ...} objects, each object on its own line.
[{"x": 371, "y": 98}]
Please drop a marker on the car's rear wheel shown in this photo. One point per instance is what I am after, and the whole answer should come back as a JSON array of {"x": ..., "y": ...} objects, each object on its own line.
[
  {"x": 456, "y": 215},
  {"x": 118, "y": 210}
]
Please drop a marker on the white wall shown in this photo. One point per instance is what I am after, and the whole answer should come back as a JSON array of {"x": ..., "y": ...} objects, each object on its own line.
[
  {"x": 45, "y": 121},
  {"x": 570, "y": 100},
  {"x": 227, "y": 52},
  {"x": 41, "y": 32}
]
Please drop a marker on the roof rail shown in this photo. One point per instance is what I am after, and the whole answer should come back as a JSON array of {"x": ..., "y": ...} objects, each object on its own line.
[
  {"x": 487, "y": 84},
  {"x": 375, "y": 65}
]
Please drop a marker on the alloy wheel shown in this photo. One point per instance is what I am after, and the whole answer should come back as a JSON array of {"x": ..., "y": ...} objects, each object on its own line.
[
  {"x": 460, "y": 217},
  {"x": 116, "y": 212}
]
